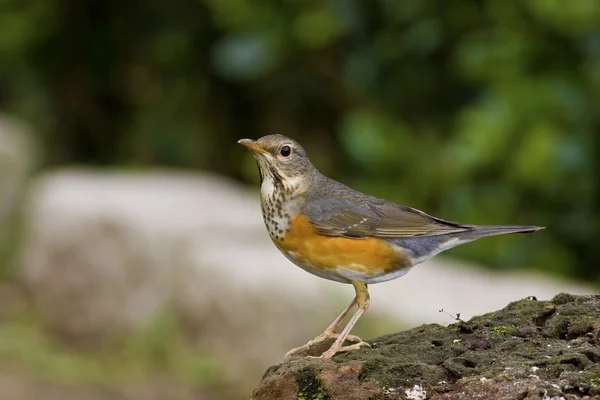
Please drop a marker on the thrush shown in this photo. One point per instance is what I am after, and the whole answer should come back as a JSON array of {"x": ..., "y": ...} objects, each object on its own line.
[{"x": 340, "y": 234}]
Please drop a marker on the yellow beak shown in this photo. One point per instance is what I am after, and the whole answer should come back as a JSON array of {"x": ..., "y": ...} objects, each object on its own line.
[{"x": 253, "y": 146}]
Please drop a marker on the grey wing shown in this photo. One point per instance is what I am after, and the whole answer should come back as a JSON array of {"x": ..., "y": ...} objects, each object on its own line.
[{"x": 374, "y": 217}]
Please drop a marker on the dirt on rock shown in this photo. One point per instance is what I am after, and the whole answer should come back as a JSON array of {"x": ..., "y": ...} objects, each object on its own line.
[{"x": 529, "y": 350}]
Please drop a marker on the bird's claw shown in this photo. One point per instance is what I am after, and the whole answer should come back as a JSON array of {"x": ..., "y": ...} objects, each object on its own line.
[
  {"x": 331, "y": 352},
  {"x": 323, "y": 337}
]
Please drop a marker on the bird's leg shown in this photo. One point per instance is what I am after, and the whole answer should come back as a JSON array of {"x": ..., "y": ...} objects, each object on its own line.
[
  {"x": 362, "y": 298},
  {"x": 329, "y": 332}
]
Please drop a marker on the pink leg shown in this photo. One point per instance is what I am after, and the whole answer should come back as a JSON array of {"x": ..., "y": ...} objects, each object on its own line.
[{"x": 362, "y": 298}]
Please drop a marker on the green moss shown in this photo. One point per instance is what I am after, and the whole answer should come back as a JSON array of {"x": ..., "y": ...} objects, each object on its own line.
[
  {"x": 321, "y": 395},
  {"x": 501, "y": 330},
  {"x": 595, "y": 382},
  {"x": 520, "y": 303},
  {"x": 309, "y": 386}
]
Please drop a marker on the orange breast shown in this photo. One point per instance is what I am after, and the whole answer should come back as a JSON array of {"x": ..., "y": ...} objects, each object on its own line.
[{"x": 368, "y": 257}]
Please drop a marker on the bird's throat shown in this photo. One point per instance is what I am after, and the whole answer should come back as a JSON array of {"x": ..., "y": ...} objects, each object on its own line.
[{"x": 281, "y": 200}]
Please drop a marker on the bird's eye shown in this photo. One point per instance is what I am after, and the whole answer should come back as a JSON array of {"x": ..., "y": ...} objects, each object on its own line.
[{"x": 285, "y": 151}]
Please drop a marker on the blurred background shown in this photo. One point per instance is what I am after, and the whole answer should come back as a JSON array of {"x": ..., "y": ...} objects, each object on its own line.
[{"x": 133, "y": 259}]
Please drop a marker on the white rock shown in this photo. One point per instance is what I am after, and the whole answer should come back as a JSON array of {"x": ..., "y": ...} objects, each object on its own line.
[{"x": 107, "y": 252}]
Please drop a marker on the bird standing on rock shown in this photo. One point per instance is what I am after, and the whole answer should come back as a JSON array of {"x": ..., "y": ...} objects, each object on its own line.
[{"x": 337, "y": 233}]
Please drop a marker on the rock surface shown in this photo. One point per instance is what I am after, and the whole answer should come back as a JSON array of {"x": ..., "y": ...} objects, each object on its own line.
[{"x": 529, "y": 350}]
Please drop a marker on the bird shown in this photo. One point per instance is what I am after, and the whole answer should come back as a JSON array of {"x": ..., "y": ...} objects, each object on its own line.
[{"x": 343, "y": 235}]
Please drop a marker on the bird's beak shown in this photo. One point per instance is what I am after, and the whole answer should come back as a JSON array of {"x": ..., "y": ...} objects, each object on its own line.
[{"x": 253, "y": 146}]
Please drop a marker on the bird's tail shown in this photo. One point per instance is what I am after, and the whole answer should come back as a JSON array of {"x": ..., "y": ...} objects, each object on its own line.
[
  {"x": 425, "y": 247},
  {"x": 493, "y": 230}
]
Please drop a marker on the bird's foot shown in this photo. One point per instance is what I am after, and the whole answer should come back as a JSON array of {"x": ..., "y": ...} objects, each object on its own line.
[
  {"x": 321, "y": 338},
  {"x": 333, "y": 351}
]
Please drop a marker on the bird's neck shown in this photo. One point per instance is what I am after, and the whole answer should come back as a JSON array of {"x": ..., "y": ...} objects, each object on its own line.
[
  {"x": 276, "y": 188},
  {"x": 281, "y": 200}
]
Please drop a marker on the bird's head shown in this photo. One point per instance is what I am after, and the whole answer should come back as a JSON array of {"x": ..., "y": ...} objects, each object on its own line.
[{"x": 280, "y": 159}]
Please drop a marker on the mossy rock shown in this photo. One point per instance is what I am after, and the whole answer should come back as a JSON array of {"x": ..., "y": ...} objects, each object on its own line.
[{"x": 528, "y": 350}]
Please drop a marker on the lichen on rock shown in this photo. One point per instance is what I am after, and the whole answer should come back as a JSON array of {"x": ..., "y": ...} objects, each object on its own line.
[{"x": 530, "y": 349}]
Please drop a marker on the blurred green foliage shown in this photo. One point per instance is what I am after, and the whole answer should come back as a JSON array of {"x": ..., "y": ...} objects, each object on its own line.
[
  {"x": 483, "y": 111},
  {"x": 157, "y": 350}
]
